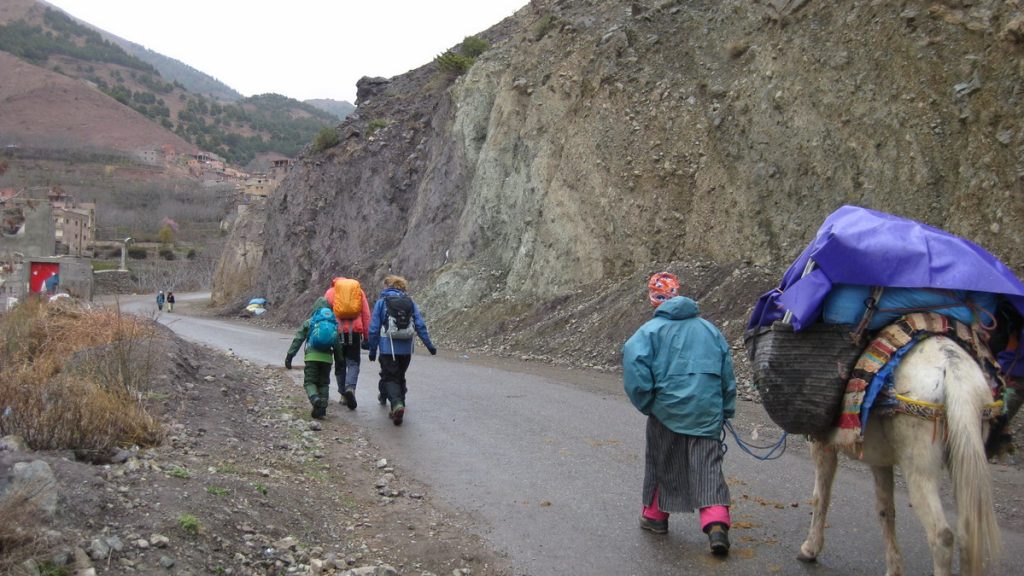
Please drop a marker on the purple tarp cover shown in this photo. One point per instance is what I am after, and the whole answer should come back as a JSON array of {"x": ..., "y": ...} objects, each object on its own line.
[{"x": 859, "y": 246}]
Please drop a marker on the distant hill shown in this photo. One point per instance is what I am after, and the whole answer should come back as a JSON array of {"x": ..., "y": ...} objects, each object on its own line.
[
  {"x": 238, "y": 131},
  {"x": 176, "y": 71},
  {"x": 340, "y": 108}
]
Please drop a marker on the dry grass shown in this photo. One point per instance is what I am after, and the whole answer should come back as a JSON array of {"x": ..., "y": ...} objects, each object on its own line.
[
  {"x": 72, "y": 378},
  {"x": 19, "y": 533}
]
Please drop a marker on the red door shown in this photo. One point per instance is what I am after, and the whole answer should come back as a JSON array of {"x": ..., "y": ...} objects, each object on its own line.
[{"x": 40, "y": 273}]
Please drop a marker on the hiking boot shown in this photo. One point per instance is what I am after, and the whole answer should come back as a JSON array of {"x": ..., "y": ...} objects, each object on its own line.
[
  {"x": 656, "y": 526},
  {"x": 348, "y": 398},
  {"x": 718, "y": 537},
  {"x": 382, "y": 399},
  {"x": 397, "y": 413},
  {"x": 315, "y": 401}
]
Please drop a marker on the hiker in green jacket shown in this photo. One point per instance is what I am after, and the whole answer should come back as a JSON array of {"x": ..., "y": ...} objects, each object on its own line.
[{"x": 317, "y": 371}]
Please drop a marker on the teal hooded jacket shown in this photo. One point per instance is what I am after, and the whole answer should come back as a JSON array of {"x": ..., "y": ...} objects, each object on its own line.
[{"x": 677, "y": 367}]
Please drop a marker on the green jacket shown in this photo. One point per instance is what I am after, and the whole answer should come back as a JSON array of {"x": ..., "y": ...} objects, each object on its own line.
[
  {"x": 678, "y": 368},
  {"x": 302, "y": 334}
]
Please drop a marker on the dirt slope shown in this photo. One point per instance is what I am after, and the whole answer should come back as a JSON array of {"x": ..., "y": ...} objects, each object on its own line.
[
  {"x": 245, "y": 483},
  {"x": 39, "y": 108}
]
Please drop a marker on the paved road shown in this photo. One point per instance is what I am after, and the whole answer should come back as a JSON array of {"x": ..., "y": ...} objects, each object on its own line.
[{"x": 552, "y": 471}]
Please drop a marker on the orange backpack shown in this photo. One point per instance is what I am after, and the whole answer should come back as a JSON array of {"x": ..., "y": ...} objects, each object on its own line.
[{"x": 348, "y": 298}]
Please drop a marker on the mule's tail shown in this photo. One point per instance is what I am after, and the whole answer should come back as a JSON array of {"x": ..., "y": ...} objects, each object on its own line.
[{"x": 966, "y": 395}]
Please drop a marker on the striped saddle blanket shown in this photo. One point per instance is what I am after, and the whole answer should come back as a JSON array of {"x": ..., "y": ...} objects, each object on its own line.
[{"x": 870, "y": 387}]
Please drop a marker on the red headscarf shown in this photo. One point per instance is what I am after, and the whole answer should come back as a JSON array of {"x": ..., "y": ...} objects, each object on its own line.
[{"x": 662, "y": 286}]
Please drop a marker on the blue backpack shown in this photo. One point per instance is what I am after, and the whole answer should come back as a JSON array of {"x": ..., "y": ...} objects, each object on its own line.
[{"x": 323, "y": 330}]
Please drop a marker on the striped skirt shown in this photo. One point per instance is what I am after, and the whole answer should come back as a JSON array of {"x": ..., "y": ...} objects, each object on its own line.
[{"x": 686, "y": 471}]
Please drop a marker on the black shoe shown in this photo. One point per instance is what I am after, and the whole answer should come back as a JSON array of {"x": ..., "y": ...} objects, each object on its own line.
[
  {"x": 348, "y": 398},
  {"x": 656, "y": 526},
  {"x": 382, "y": 399},
  {"x": 718, "y": 537},
  {"x": 315, "y": 401},
  {"x": 397, "y": 413}
]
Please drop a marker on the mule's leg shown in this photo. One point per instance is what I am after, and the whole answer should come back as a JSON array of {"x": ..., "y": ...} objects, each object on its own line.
[
  {"x": 826, "y": 460},
  {"x": 885, "y": 507},
  {"x": 922, "y": 461}
]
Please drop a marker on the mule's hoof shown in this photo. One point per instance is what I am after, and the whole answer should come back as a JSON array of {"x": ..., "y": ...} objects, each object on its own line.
[{"x": 804, "y": 557}]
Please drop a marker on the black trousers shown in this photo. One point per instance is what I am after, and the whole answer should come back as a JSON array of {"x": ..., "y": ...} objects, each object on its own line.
[{"x": 392, "y": 377}]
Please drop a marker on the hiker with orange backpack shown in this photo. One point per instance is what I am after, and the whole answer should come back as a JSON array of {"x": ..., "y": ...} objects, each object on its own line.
[{"x": 348, "y": 301}]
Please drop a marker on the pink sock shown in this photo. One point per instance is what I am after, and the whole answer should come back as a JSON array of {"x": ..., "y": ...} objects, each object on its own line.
[
  {"x": 712, "y": 514},
  {"x": 652, "y": 512}
]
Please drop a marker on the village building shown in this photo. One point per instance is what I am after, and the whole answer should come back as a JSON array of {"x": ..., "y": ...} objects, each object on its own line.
[
  {"x": 258, "y": 187},
  {"x": 74, "y": 223}
]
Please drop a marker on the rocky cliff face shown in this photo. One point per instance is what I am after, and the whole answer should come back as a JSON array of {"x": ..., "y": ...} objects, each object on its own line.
[
  {"x": 598, "y": 141},
  {"x": 235, "y": 276}
]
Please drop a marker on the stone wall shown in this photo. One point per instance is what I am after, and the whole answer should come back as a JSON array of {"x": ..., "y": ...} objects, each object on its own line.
[{"x": 113, "y": 282}]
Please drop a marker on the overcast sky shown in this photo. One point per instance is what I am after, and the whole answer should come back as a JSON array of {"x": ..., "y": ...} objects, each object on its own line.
[{"x": 300, "y": 48}]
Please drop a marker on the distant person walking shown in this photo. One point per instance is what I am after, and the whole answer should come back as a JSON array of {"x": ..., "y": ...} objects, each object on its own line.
[
  {"x": 347, "y": 299},
  {"x": 677, "y": 370},
  {"x": 395, "y": 321},
  {"x": 320, "y": 334},
  {"x": 170, "y": 301},
  {"x": 160, "y": 298}
]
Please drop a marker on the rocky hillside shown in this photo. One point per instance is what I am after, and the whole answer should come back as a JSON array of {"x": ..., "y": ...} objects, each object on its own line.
[{"x": 597, "y": 141}]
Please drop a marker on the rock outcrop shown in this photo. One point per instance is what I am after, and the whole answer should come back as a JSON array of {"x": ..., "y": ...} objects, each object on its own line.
[
  {"x": 598, "y": 141},
  {"x": 235, "y": 274}
]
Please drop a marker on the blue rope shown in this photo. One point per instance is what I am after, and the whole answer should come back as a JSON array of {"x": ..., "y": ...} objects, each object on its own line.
[{"x": 749, "y": 448}]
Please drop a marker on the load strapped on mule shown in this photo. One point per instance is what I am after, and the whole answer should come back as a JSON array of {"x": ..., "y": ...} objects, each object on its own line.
[{"x": 824, "y": 344}]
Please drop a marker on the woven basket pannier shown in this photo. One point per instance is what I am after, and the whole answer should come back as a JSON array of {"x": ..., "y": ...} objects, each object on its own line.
[{"x": 802, "y": 376}]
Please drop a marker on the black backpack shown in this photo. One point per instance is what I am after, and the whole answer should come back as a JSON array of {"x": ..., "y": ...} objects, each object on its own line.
[{"x": 398, "y": 318}]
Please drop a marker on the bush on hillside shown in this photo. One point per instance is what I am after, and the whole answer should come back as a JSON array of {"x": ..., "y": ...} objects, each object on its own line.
[
  {"x": 452, "y": 63},
  {"x": 167, "y": 253},
  {"x": 137, "y": 253},
  {"x": 92, "y": 410},
  {"x": 543, "y": 26},
  {"x": 473, "y": 46},
  {"x": 376, "y": 124},
  {"x": 327, "y": 138}
]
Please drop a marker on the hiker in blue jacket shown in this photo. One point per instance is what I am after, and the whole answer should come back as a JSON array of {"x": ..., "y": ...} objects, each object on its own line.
[
  {"x": 393, "y": 323},
  {"x": 678, "y": 371}
]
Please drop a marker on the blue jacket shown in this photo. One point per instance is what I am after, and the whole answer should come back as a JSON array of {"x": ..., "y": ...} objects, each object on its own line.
[
  {"x": 678, "y": 368},
  {"x": 389, "y": 345}
]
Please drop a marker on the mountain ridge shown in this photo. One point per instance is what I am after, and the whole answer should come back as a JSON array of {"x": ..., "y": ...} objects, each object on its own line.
[{"x": 52, "y": 40}]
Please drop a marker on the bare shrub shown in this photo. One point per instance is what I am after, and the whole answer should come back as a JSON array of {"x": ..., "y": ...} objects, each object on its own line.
[
  {"x": 72, "y": 378},
  {"x": 19, "y": 532}
]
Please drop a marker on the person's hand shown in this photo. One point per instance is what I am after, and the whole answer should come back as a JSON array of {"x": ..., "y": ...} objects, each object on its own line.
[
  {"x": 432, "y": 350},
  {"x": 373, "y": 356},
  {"x": 365, "y": 344},
  {"x": 288, "y": 362}
]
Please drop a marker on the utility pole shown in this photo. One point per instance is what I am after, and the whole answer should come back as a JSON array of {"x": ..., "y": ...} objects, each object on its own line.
[{"x": 124, "y": 253}]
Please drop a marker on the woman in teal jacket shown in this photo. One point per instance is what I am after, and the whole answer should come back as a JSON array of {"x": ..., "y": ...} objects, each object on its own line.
[{"x": 677, "y": 370}]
